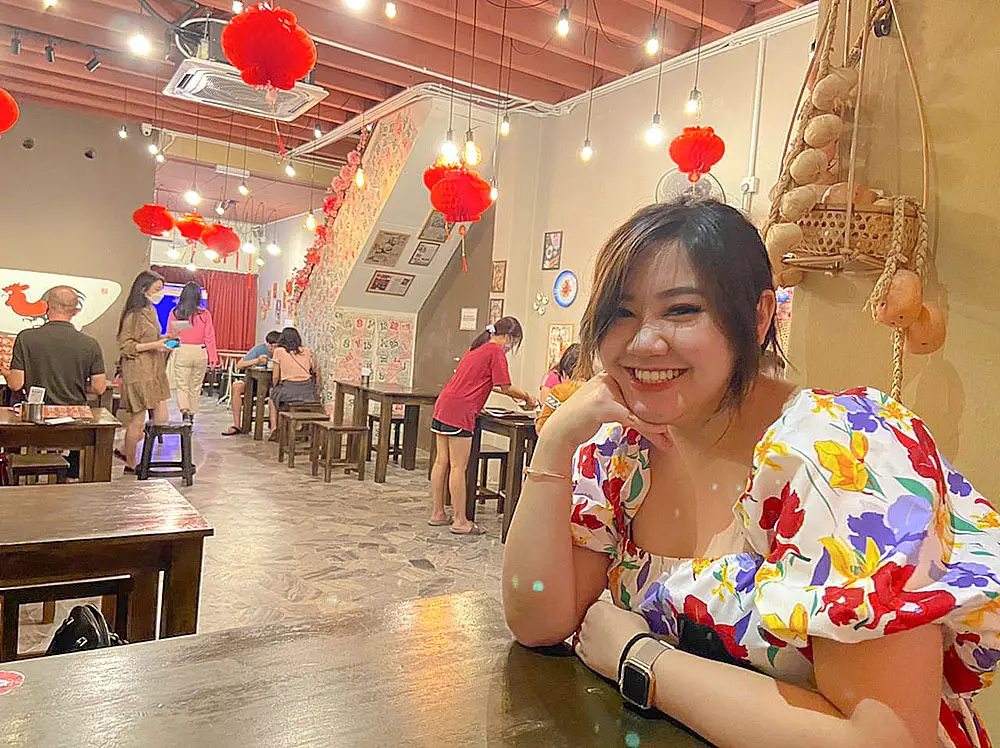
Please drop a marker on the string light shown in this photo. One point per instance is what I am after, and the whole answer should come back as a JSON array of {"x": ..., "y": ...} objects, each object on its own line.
[
  {"x": 192, "y": 197},
  {"x": 220, "y": 209},
  {"x": 359, "y": 178},
  {"x": 653, "y": 42},
  {"x": 472, "y": 153},
  {"x": 160, "y": 158},
  {"x": 289, "y": 169},
  {"x": 317, "y": 132},
  {"x": 211, "y": 254},
  {"x": 390, "y": 10},
  {"x": 356, "y": 5},
  {"x": 654, "y": 135},
  {"x": 248, "y": 248},
  {"x": 494, "y": 192},
  {"x": 562, "y": 25},
  {"x": 311, "y": 223},
  {"x": 273, "y": 249},
  {"x": 123, "y": 132},
  {"x": 505, "y": 126},
  {"x": 139, "y": 44},
  {"x": 243, "y": 189},
  {"x": 693, "y": 105},
  {"x": 448, "y": 149},
  {"x": 587, "y": 152},
  {"x": 153, "y": 149},
  {"x": 49, "y": 4}
]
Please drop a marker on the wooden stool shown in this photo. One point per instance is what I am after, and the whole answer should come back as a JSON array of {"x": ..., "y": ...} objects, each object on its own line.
[
  {"x": 483, "y": 492},
  {"x": 12, "y": 598},
  {"x": 396, "y": 442},
  {"x": 288, "y": 426},
  {"x": 183, "y": 468},
  {"x": 24, "y": 466},
  {"x": 324, "y": 435}
]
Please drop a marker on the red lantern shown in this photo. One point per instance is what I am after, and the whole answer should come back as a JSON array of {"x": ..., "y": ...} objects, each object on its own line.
[
  {"x": 153, "y": 220},
  {"x": 433, "y": 175},
  {"x": 192, "y": 227},
  {"x": 268, "y": 47},
  {"x": 222, "y": 239},
  {"x": 461, "y": 195},
  {"x": 696, "y": 151},
  {"x": 9, "y": 112}
]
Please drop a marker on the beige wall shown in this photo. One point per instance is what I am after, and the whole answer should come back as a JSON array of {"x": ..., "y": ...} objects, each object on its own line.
[{"x": 63, "y": 213}]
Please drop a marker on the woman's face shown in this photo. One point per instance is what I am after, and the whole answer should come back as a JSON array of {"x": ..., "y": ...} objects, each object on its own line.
[
  {"x": 155, "y": 292},
  {"x": 664, "y": 348}
]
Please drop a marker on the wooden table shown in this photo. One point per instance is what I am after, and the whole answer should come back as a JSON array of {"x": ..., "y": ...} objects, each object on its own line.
[
  {"x": 421, "y": 674},
  {"x": 387, "y": 396},
  {"x": 520, "y": 431},
  {"x": 258, "y": 385},
  {"x": 94, "y": 437},
  {"x": 70, "y": 532}
]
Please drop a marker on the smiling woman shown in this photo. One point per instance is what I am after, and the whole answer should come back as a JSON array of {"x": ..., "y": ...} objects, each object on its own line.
[{"x": 760, "y": 544}]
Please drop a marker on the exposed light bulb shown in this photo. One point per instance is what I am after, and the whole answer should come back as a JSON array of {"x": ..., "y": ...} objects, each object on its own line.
[
  {"x": 505, "y": 126},
  {"x": 587, "y": 151},
  {"x": 190, "y": 267},
  {"x": 211, "y": 254},
  {"x": 317, "y": 132},
  {"x": 243, "y": 189},
  {"x": 653, "y": 42},
  {"x": 356, "y": 5},
  {"x": 173, "y": 254},
  {"x": 693, "y": 105},
  {"x": 273, "y": 249},
  {"x": 562, "y": 25},
  {"x": 289, "y": 169},
  {"x": 311, "y": 223},
  {"x": 237, "y": 7},
  {"x": 472, "y": 153},
  {"x": 191, "y": 197},
  {"x": 123, "y": 132},
  {"x": 390, "y": 10},
  {"x": 448, "y": 149},
  {"x": 220, "y": 209},
  {"x": 153, "y": 149},
  {"x": 654, "y": 135},
  {"x": 359, "y": 178},
  {"x": 248, "y": 248},
  {"x": 139, "y": 43},
  {"x": 160, "y": 158},
  {"x": 260, "y": 262},
  {"x": 494, "y": 192},
  {"x": 49, "y": 4}
]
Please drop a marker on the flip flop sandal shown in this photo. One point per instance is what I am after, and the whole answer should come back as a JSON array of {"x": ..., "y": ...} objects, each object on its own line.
[
  {"x": 439, "y": 522},
  {"x": 474, "y": 530},
  {"x": 231, "y": 431}
]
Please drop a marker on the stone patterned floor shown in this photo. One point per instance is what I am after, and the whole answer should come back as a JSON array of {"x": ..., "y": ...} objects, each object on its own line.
[{"x": 288, "y": 546}]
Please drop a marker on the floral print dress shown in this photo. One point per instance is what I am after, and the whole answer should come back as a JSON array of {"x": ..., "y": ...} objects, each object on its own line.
[{"x": 853, "y": 526}]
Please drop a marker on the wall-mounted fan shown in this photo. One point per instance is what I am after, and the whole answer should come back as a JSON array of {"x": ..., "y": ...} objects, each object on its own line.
[{"x": 675, "y": 184}]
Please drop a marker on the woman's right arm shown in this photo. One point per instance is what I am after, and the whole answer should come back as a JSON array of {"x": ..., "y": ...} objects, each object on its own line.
[{"x": 128, "y": 339}]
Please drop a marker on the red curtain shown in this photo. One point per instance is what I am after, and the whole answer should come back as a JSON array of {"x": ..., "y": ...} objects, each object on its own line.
[{"x": 232, "y": 300}]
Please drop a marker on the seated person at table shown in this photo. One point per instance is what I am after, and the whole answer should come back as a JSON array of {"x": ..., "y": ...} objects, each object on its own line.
[
  {"x": 66, "y": 362},
  {"x": 482, "y": 369},
  {"x": 561, "y": 372},
  {"x": 561, "y": 390},
  {"x": 786, "y": 567},
  {"x": 259, "y": 355},
  {"x": 294, "y": 377}
]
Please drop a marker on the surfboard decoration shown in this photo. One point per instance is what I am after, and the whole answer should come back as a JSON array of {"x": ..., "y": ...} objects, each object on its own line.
[{"x": 23, "y": 295}]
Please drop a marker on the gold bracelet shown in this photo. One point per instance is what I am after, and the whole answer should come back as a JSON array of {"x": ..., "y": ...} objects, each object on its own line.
[{"x": 529, "y": 472}]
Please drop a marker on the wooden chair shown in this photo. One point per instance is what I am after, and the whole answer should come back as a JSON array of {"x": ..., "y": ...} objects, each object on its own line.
[
  {"x": 483, "y": 491},
  {"x": 293, "y": 430},
  {"x": 24, "y": 466},
  {"x": 182, "y": 468},
  {"x": 114, "y": 590},
  {"x": 325, "y": 434},
  {"x": 396, "y": 437}
]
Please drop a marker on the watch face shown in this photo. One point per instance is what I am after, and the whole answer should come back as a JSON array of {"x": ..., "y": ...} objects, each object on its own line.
[{"x": 635, "y": 685}]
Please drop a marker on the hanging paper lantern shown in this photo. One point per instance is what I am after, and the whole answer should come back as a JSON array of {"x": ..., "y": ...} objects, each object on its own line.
[
  {"x": 268, "y": 47},
  {"x": 433, "y": 175},
  {"x": 222, "y": 239},
  {"x": 461, "y": 195},
  {"x": 9, "y": 111},
  {"x": 153, "y": 220},
  {"x": 192, "y": 227},
  {"x": 696, "y": 151}
]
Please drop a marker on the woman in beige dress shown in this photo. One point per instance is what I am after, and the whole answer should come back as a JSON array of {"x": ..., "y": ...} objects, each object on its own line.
[{"x": 143, "y": 361}]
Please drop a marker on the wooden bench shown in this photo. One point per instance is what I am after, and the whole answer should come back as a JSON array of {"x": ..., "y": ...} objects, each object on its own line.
[
  {"x": 182, "y": 468},
  {"x": 24, "y": 466},
  {"x": 326, "y": 438},
  {"x": 289, "y": 425}
]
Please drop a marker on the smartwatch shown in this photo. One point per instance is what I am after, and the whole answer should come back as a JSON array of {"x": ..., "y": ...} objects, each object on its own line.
[{"x": 636, "y": 681}]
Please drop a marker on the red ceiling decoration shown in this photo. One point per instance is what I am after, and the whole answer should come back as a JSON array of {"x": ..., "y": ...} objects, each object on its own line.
[
  {"x": 433, "y": 174},
  {"x": 462, "y": 195},
  {"x": 153, "y": 220},
  {"x": 192, "y": 227},
  {"x": 268, "y": 47},
  {"x": 222, "y": 239},
  {"x": 696, "y": 151},
  {"x": 9, "y": 111}
]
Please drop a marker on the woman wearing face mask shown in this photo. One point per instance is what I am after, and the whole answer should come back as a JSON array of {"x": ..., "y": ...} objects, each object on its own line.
[
  {"x": 143, "y": 361},
  {"x": 482, "y": 369},
  {"x": 787, "y": 567}
]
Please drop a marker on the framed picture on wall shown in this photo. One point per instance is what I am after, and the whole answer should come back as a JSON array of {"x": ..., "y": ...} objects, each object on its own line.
[
  {"x": 435, "y": 228},
  {"x": 498, "y": 284},
  {"x": 560, "y": 338},
  {"x": 552, "y": 250},
  {"x": 386, "y": 249},
  {"x": 390, "y": 284},
  {"x": 496, "y": 310},
  {"x": 424, "y": 254}
]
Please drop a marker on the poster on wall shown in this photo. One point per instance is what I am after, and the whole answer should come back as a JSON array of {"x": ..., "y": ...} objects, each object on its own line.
[
  {"x": 386, "y": 249},
  {"x": 435, "y": 228},
  {"x": 23, "y": 297},
  {"x": 552, "y": 250},
  {"x": 390, "y": 284},
  {"x": 498, "y": 282},
  {"x": 424, "y": 254},
  {"x": 277, "y": 310},
  {"x": 496, "y": 310},
  {"x": 560, "y": 338}
]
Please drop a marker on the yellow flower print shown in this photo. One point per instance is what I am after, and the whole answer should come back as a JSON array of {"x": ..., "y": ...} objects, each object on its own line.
[
  {"x": 825, "y": 403},
  {"x": 989, "y": 520},
  {"x": 766, "y": 573},
  {"x": 619, "y": 465},
  {"x": 725, "y": 584},
  {"x": 847, "y": 466},
  {"x": 977, "y": 618},
  {"x": 844, "y": 559},
  {"x": 796, "y": 628},
  {"x": 893, "y": 411},
  {"x": 699, "y": 565},
  {"x": 766, "y": 447}
]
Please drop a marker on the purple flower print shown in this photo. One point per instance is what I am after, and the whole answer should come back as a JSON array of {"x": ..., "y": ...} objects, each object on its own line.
[
  {"x": 860, "y": 413},
  {"x": 870, "y": 525},
  {"x": 966, "y": 574},
  {"x": 749, "y": 563},
  {"x": 901, "y": 529},
  {"x": 657, "y": 609},
  {"x": 958, "y": 485},
  {"x": 987, "y": 659},
  {"x": 609, "y": 447}
]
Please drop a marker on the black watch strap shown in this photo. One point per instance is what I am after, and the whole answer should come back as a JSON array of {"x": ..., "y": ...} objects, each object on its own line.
[{"x": 631, "y": 643}]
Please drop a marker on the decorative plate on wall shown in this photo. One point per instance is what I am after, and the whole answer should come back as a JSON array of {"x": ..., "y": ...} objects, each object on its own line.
[{"x": 566, "y": 288}]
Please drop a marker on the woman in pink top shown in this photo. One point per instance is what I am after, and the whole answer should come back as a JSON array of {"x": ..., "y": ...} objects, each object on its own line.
[
  {"x": 193, "y": 326},
  {"x": 561, "y": 372}
]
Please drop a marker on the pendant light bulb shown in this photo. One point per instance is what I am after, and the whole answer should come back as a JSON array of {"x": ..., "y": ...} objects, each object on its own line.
[
  {"x": 191, "y": 197},
  {"x": 248, "y": 248},
  {"x": 160, "y": 158},
  {"x": 190, "y": 267},
  {"x": 654, "y": 135},
  {"x": 289, "y": 169},
  {"x": 260, "y": 262},
  {"x": 49, "y": 4},
  {"x": 356, "y": 5},
  {"x": 243, "y": 189},
  {"x": 448, "y": 149},
  {"x": 359, "y": 178},
  {"x": 317, "y": 132},
  {"x": 494, "y": 192},
  {"x": 237, "y": 7},
  {"x": 123, "y": 132},
  {"x": 390, "y": 10},
  {"x": 472, "y": 153},
  {"x": 139, "y": 44},
  {"x": 587, "y": 152},
  {"x": 653, "y": 42},
  {"x": 173, "y": 254},
  {"x": 273, "y": 249},
  {"x": 220, "y": 209},
  {"x": 505, "y": 126},
  {"x": 311, "y": 223},
  {"x": 693, "y": 105},
  {"x": 562, "y": 25},
  {"x": 211, "y": 254},
  {"x": 153, "y": 149}
]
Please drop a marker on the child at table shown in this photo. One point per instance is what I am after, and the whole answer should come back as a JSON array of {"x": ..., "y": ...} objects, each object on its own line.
[{"x": 482, "y": 369}]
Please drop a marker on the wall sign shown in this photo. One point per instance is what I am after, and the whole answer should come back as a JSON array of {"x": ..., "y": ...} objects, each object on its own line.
[
  {"x": 566, "y": 288},
  {"x": 498, "y": 281},
  {"x": 390, "y": 284},
  {"x": 435, "y": 228},
  {"x": 552, "y": 250},
  {"x": 424, "y": 254},
  {"x": 560, "y": 338},
  {"x": 496, "y": 310},
  {"x": 470, "y": 319},
  {"x": 386, "y": 249},
  {"x": 23, "y": 296}
]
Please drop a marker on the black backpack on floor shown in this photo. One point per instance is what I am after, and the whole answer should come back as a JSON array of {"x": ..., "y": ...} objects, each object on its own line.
[{"x": 84, "y": 628}]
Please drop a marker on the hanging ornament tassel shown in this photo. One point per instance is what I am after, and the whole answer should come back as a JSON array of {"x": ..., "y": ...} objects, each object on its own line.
[
  {"x": 281, "y": 142},
  {"x": 465, "y": 263}
]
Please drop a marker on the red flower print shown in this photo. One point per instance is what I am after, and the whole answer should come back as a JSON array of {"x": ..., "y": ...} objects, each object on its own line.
[
  {"x": 613, "y": 492},
  {"x": 783, "y": 515},
  {"x": 922, "y": 453},
  {"x": 697, "y": 611},
  {"x": 912, "y": 609},
  {"x": 967, "y": 637},
  {"x": 587, "y": 462},
  {"x": 632, "y": 437},
  {"x": 853, "y": 392},
  {"x": 585, "y": 520},
  {"x": 769, "y": 513},
  {"x": 960, "y": 678},
  {"x": 842, "y": 604}
]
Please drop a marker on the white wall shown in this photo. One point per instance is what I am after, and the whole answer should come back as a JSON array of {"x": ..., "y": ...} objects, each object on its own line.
[{"x": 294, "y": 239}]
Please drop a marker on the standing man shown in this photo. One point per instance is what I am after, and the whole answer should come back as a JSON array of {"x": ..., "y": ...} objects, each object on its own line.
[
  {"x": 60, "y": 358},
  {"x": 259, "y": 354}
]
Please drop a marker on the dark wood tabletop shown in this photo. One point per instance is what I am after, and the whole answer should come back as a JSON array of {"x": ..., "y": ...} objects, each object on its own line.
[
  {"x": 432, "y": 673},
  {"x": 102, "y": 418},
  {"x": 93, "y": 436}
]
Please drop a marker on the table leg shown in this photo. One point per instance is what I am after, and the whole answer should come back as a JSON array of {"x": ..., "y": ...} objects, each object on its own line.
[
  {"x": 384, "y": 432},
  {"x": 262, "y": 414},
  {"x": 249, "y": 393},
  {"x": 182, "y": 589},
  {"x": 411, "y": 427},
  {"x": 472, "y": 475},
  {"x": 515, "y": 476},
  {"x": 8, "y": 640},
  {"x": 339, "y": 406},
  {"x": 101, "y": 455},
  {"x": 142, "y": 605},
  {"x": 87, "y": 465}
]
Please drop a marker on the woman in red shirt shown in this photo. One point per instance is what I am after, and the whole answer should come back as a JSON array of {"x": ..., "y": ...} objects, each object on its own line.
[{"x": 481, "y": 370}]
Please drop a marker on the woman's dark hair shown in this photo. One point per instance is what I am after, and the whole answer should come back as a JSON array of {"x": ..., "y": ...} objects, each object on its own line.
[
  {"x": 189, "y": 302},
  {"x": 272, "y": 337},
  {"x": 290, "y": 340},
  {"x": 137, "y": 295},
  {"x": 508, "y": 326},
  {"x": 568, "y": 362},
  {"x": 733, "y": 272}
]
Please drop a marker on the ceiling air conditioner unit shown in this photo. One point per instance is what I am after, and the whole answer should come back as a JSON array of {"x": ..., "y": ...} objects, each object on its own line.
[{"x": 220, "y": 85}]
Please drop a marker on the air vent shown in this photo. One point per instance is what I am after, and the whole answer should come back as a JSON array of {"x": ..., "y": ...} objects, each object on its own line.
[{"x": 219, "y": 85}]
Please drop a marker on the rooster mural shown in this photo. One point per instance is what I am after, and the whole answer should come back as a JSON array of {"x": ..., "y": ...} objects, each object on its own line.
[{"x": 24, "y": 307}]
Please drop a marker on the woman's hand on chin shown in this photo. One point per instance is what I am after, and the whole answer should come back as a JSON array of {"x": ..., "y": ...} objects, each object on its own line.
[
  {"x": 602, "y": 637},
  {"x": 599, "y": 401}
]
